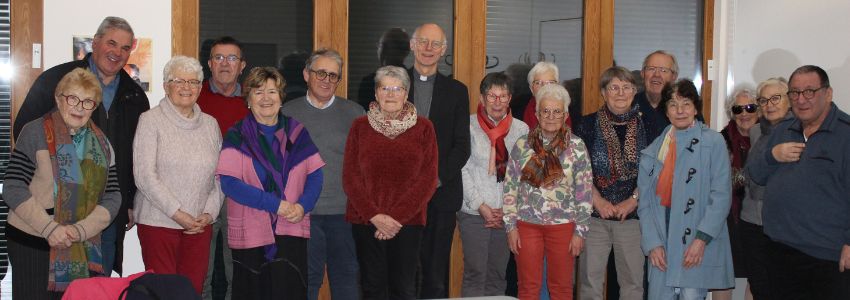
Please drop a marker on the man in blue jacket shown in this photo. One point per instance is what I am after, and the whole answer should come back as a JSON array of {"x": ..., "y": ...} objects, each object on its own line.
[{"x": 807, "y": 199}]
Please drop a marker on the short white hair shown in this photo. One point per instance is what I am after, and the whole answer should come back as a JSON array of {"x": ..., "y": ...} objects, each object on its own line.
[
  {"x": 541, "y": 68},
  {"x": 182, "y": 63},
  {"x": 553, "y": 92}
]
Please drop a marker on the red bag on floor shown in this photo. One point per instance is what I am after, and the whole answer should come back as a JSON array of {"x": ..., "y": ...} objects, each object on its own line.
[{"x": 97, "y": 288}]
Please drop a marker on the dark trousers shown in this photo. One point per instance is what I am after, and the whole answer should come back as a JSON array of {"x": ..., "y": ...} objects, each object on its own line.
[
  {"x": 387, "y": 268},
  {"x": 30, "y": 257},
  {"x": 285, "y": 277},
  {"x": 436, "y": 252},
  {"x": 756, "y": 245},
  {"x": 795, "y": 275}
]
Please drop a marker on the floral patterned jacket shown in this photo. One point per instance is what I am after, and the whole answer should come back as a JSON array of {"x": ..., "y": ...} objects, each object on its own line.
[{"x": 568, "y": 201}]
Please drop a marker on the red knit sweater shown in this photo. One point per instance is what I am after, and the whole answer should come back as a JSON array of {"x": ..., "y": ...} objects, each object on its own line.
[
  {"x": 226, "y": 110},
  {"x": 396, "y": 177}
]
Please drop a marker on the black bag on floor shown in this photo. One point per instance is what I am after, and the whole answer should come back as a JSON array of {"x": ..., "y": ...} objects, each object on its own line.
[{"x": 159, "y": 287}]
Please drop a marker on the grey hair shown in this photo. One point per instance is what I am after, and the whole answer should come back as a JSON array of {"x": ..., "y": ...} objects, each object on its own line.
[
  {"x": 182, "y": 63},
  {"x": 738, "y": 93},
  {"x": 324, "y": 52},
  {"x": 618, "y": 72},
  {"x": 553, "y": 92},
  {"x": 110, "y": 23},
  {"x": 392, "y": 72},
  {"x": 778, "y": 81},
  {"x": 540, "y": 68},
  {"x": 672, "y": 57}
]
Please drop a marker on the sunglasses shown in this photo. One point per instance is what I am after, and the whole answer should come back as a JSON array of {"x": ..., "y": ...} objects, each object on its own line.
[{"x": 750, "y": 108}]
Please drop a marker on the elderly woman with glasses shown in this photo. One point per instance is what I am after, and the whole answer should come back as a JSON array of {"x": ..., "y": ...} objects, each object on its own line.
[
  {"x": 547, "y": 199},
  {"x": 542, "y": 74},
  {"x": 493, "y": 132},
  {"x": 62, "y": 190},
  {"x": 684, "y": 186},
  {"x": 270, "y": 171},
  {"x": 614, "y": 136},
  {"x": 389, "y": 174},
  {"x": 775, "y": 108},
  {"x": 743, "y": 113},
  {"x": 175, "y": 153}
]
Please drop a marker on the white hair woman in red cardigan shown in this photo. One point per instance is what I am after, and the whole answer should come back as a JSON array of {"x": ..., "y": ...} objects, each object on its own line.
[{"x": 389, "y": 174}]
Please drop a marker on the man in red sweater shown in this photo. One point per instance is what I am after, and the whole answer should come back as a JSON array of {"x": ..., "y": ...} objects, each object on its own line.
[{"x": 221, "y": 97}]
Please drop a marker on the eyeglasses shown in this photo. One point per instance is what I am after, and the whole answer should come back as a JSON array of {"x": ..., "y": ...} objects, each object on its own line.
[
  {"x": 322, "y": 74},
  {"x": 387, "y": 90},
  {"x": 88, "y": 104},
  {"x": 492, "y": 98},
  {"x": 423, "y": 43},
  {"x": 807, "y": 93},
  {"x": 684, "y": 104},
  {"x": 773, "y": 100},
  {"x": 193, "y": 83},
  {"x": 616, "y": 89},
  {"x": 750, "y": 108},
  {"x": 551, "y": 113},
  {"x": 230, "y": 58},
  {"x": 653, "y": 69},
  {"x": 543, "y": 82}
]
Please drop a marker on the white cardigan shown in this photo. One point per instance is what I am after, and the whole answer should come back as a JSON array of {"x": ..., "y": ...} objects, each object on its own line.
[{"x": 478, "y": 186}]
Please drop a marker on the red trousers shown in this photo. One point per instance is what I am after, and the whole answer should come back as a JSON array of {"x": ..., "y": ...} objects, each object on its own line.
[
  {"x": 553, "y": 241},
  {"x": 170, "y": 251}
]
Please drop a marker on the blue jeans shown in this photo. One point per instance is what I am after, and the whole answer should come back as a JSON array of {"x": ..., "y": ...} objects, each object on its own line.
[
  {"x": 331, "y": 243},
  {"x": 107, "y": 246}
]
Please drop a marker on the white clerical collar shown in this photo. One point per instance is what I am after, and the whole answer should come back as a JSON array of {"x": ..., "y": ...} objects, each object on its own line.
[{"x": 312, "y": 103}]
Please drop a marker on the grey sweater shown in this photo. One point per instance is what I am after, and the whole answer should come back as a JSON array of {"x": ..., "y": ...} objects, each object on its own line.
[{"x": 328, "y": 128}]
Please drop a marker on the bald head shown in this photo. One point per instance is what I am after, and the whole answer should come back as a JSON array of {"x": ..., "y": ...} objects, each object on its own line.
[{"x": 428, "y": 45}]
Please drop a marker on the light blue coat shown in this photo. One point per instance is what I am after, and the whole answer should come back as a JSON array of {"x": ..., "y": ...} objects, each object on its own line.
[{"x": 710, "y": 188}]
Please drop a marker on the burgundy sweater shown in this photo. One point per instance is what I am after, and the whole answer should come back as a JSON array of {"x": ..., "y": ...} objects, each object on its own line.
[
  {"x": 226, "y": 110},
  {"x": 395, "y": 177}
]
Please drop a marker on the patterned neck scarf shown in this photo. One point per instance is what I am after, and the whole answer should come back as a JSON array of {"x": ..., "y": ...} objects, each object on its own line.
[
  {"x": 80, "y": 165},
  {"x": 544, "y": 168},
  {"x": 392, "y": 127},
  {"x": 618, "y": 162},
  {"x": 289, "y": 148},
  {"x": 496, "y": 134}
]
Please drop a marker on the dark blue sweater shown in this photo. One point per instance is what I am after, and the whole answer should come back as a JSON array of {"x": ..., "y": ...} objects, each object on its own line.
[{"x": 807, "y": 203}]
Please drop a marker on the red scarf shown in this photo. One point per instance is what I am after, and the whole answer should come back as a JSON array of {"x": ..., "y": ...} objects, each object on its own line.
[
  {"x": 664, "y": 189},
  {"x": 497, "y": 134}
]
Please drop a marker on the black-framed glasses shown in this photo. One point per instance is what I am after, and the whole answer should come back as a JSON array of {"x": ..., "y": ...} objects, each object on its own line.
[
  {"x": 807, "y": 93},
  {"x": 773, "y": 100},
  {"x": 493, "y": 98},
  {"x": 543, "y": 82},
  {"x": 750, "y": 108},
  {"x": 423, "y": 43},
  {"x": 322, "y": 74},
  {"x": 230, "y": 58},
  {"x": 193, "y": 83},
  {"x": 72, "y": 100}
]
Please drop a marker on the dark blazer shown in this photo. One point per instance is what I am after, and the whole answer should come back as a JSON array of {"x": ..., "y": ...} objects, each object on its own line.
[
  {"x": 450, "y": 116},
  {"x": 119, "y": 125}
]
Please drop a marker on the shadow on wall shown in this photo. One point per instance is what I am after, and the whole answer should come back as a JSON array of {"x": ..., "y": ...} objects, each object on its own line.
[
  {"x": 774, "y": 62},
  {"x": 839, "y": 77}
]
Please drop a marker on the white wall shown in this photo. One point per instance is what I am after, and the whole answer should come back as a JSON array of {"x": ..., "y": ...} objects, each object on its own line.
[
  {"x": 768, "y": 38},
  {"x": 150, "y": 19}
]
